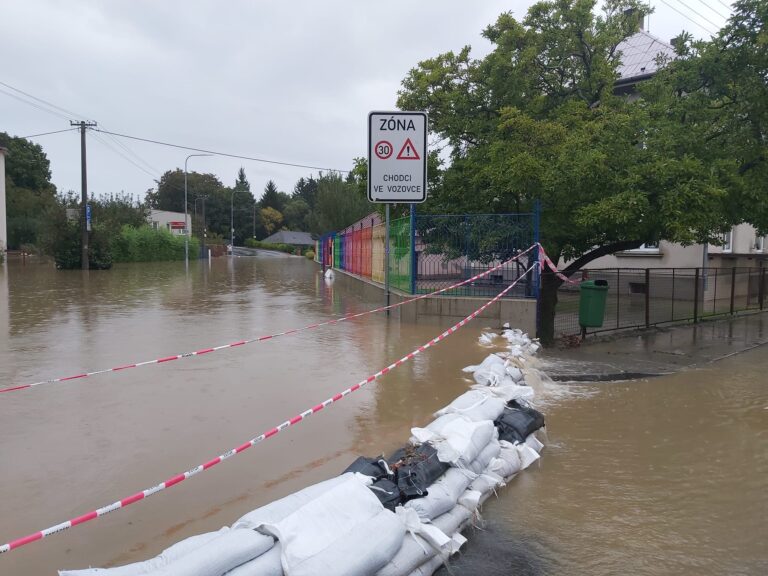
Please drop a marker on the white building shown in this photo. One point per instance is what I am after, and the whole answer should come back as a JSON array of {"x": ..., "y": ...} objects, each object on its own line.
[{"x": 171, "y": 221}]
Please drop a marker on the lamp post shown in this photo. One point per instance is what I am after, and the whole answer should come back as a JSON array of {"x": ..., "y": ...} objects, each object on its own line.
[
  {"x": 186, "y": 217},
  {"x": 232, "y": 219},
  {"x": 255, "y": 203}
]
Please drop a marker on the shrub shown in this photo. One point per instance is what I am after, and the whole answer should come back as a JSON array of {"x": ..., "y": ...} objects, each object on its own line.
[
  {"x": 287, "y": 248},
  {"x": 310, "y": 254},
  {"x": 145, "y": 244}
]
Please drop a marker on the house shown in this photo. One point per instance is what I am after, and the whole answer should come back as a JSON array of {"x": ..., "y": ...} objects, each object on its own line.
[
  {"x": 171, "y": 221},
  {"x": 742, "y": 246},
  {"x": 298, "y": 239}
]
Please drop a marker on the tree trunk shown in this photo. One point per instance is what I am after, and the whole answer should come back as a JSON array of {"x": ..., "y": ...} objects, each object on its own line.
[
  {"x": 547, "y": 306},
  {"x": 550, "y": 284}
]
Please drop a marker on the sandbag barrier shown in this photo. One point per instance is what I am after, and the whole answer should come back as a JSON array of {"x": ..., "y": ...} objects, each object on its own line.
[
  {"x": 265, "y": 337},
  {"x": 400, "y": 515}
]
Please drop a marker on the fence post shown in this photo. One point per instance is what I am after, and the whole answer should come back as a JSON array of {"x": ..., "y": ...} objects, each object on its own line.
[
  {"x": 647, "y": 297},
  {"x": 618, "y": 296},
  {"x": 761, "y": 288},
  {"x": 733, "y": 286},
  {"x": 414, "y": 266},
  {"x": 696, "y": 296},
  {"x": 386, "y": 255}
]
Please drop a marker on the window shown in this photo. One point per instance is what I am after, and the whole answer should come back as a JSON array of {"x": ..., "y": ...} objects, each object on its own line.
[
  {"x": 727, "y": 239},
  {"x": 647, "y": 247},
  {"x": 154, "y": 224},
  {"x": 758, "y": 244}
]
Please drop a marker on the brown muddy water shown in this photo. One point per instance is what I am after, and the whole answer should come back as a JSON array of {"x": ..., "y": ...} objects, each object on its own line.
[{"x": 665, "y": 476}]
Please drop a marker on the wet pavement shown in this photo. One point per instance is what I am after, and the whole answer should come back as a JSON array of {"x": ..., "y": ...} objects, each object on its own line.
[{"x": 657, "y": 351}]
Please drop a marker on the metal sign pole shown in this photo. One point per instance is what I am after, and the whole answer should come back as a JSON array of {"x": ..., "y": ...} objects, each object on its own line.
[{"x": 386, "y": 255}]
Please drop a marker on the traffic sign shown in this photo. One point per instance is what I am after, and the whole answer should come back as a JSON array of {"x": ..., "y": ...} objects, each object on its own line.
[{"x": 401, "y": 177}]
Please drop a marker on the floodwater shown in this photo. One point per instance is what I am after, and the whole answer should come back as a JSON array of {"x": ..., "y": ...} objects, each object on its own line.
[{"x": 651, "y": 477}]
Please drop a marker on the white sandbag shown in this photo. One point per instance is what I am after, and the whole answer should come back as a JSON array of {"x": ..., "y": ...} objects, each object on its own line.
[
  {"x": 415, "y": 551},
  {"x": 527, "y": 455},
  {"x": 431, "y": 566},
  {"x": 508, "y": 392},
  {"x": 167, "y": 556},
  {"x": 534, "y": 442},
  {"x": 491, "y": 451},
  {"x": 489, "y": 361},
  {"x": 345, "y": 531},
  {"x": 457, "y": 439},
  {"x": 475, "y": 405},
  {"x": 442, "y": 494},
  {"x": 220, "y": 555},
  {"x": 514, "y": 372},
  {"x": 268, "y": 564},
  {"x": 486, "y": 339},
  {"x": 279, "y": 509},
  {"x": 487, "y": 482}
]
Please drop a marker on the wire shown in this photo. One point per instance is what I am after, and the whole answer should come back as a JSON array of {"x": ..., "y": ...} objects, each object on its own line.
[
  {"x": 47, "y": 133},
  {"x": 713, "y": 10},
  {"x": 707, "y": 30},
  {"x": 699, "y": 14},
  {"x": 69, "y": 113},
  {"x": 33, "y": 104},
  {"x": 131, "y": 152},
  {"x": 214, "y": 152},
  {"x": 726, "y": 5},
  {"x": 124, "y": 156}
]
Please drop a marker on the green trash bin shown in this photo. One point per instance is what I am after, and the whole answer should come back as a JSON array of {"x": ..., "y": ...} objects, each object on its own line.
[{"x": 592, "y": 297}]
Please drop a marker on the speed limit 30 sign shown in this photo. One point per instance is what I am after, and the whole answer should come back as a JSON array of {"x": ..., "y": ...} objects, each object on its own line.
[{"x": 397, "y": 157}]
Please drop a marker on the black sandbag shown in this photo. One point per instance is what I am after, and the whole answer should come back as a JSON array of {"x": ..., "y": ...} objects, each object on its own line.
[
  {"x": 368, "y": 466},
  {"x": 518, "y": 421},
  {"x": 387, "y": 492},
  {"x": 416, "y": 468}
]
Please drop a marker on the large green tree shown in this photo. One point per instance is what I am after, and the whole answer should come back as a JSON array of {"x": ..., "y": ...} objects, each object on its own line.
[
  {"x": 537, "y": 120},
  {"x": 339, "y": 204},
  {"x": 29, "y": 191}
]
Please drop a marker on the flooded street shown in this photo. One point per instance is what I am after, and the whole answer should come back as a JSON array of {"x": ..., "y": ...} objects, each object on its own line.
[{"x": 667, "y": 475}]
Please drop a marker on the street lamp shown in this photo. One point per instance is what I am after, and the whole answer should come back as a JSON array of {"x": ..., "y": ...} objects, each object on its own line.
[
  {"x": 232, "y": 219},
  {"x": 255, "y": 203},
  {"x": 186, "y": 217}
]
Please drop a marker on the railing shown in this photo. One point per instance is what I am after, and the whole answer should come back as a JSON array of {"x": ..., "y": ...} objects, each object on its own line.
[
  {"x": 645, "y": 297},
  {"x": 429, "y": 252}
]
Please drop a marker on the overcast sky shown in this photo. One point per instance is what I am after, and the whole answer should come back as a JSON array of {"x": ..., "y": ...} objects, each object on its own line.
[{"x": 289, "y": 80}]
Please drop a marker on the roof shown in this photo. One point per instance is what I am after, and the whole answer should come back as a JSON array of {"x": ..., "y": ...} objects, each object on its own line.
[
  {"x": 289, "y": 237},
  {"x": 639, "y": 53}
]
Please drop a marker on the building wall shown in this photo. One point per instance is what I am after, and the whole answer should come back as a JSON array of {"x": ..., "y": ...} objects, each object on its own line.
[
  {"x": 163, "y": 219},
  {"x": 3, "y": 220}
]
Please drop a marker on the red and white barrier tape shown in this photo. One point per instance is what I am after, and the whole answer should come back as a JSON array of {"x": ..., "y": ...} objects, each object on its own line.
[
  {"x": 262, "y": 338},
  {"x": 13, "y": 544},
  {"x": 545, "y": 259}
]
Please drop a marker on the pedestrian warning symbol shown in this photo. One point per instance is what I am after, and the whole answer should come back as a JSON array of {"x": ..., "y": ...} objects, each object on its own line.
[{"x": 408, "y": 151}]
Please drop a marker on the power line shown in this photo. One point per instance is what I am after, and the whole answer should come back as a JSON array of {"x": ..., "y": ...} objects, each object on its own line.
[
  {"x": 726, "y": 5},
  {"x": 69, "y": 113},
  {"x": 707, "y": 30},
  {"x": 214, "y": 152},
  {"x": 713, "y": 10},
  {"x": 125, "y": 157},
  {"x": 34, "y": 105},
  {"x": 130, "y": 152},
  {"x": 699, "y": 14},
  {"x": 47, "y": 133}
]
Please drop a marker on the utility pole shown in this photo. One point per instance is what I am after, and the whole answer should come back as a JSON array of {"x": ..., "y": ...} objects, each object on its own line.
[{"x": 84, "y": 186}]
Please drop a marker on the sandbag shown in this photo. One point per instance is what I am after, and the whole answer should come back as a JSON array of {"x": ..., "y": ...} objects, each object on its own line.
[
  {"x": 220, "y": 555},
  {"x": 268, "y": 564},
  {"x": 458, "y": 440},
  {"x": 487, "y": 482},
  {"x": 387, "y": 492},
  {"x": 416, "y": 467},
  {"x": 491, "y": 451},
  {"x": 534, "y": 442},
  {"x": 344, "y": 531},
  {"x": 279, "y": 509},
  {"x": 476, "y": 405},
  {"x": 166, "y": 557},
  {"x": 376, "y": 468},
  {"x": 415, "y": 551},
  {"x": 518, "y": 421},
  {"x": 508, "y": 392},
  {"x": 442, "y": 494}
]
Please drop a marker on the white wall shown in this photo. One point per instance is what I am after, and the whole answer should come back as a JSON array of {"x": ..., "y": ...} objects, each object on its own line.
[{"x": 163, "y": 218}]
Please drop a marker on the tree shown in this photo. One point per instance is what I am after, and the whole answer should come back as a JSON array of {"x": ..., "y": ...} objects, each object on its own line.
[
  {"x": 306, "y": 190},
  {"x": 271, "y": 220},
  {"x": 272, "y": 198},
  {"x": 536, "y": 119},
  {"x": 296, "y": 215},
  {"x": 29, "y": 191},
  {"x": 339, "y": 204},
  {"x": 242, "y": 182},
  {"x": 169, "y": 194}
]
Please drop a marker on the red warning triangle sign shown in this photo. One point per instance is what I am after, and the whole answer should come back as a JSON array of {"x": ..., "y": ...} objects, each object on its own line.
[{"x": 408, "y": 151}]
